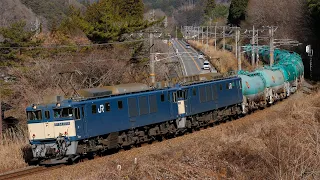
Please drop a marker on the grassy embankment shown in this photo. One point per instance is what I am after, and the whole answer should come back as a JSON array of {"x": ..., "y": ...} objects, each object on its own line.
[
  {"x": 11, "y": 154},
  {"x": 223, "y": 61}
]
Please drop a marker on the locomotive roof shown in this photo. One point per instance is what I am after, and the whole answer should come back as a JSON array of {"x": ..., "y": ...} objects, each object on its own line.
[
  {"x": 67, "y": 102},
  {"x": 177, "y": 86}
]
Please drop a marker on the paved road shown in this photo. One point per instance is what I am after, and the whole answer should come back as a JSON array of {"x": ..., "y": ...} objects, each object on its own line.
[{"x": 189, "y": 57}]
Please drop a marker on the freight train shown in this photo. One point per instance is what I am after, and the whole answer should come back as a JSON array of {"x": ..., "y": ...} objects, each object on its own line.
[{"x": 108, "y": 118}]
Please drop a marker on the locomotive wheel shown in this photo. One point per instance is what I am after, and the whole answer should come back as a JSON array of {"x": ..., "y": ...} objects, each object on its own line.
[{"x": 90, "y": 155}]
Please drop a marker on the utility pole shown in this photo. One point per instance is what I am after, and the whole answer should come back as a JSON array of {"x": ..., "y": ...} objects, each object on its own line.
[
  {"x": 0, "y": 117},
  {"x": 152, "y": 73},
  {"x": 311, "y": 64},
  {"x": 271, "y": 32},
  {"x": 224, "y": 38},
  {"x": 236, "y": 39},
  {"x": 193, "y": 32},
  {"x": 257, "y": 49},
  {"x": 201, "y": 35},
  {"x": 198, "y": 34},
  {"x": 252, "y": 50},
  {"x": 215, "y": 37},
  {"x": 207, "y": 38},
  {"x": 239, "y": 50},
  {"x": 168, "y": 55},
  {"x": 176, "y": 33}
]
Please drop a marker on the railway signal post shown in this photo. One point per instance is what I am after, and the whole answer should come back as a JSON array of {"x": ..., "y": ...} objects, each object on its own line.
[{"x": 309, "y": 50}]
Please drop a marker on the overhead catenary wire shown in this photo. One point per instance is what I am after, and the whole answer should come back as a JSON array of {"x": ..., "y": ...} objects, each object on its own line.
[
  {"x": 53, "y": 46},
  {"x": 74, "y": 62},
  {"x": 95, "y": 61}
]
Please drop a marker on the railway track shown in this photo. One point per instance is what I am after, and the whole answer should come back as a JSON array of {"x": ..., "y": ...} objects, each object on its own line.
[{"x": 26, "y": 172}]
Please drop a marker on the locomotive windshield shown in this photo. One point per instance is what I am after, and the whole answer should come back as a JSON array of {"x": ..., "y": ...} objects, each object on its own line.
[
  {"x": 62, "y": 113},
  {"x": 34, "y": 115}
]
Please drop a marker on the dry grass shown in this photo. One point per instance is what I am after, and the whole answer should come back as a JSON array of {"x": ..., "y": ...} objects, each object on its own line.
[
  {"x": 11, "y": 154},
  {"x": 281, "y": 142},
  {"x": 223, "y": 61}
]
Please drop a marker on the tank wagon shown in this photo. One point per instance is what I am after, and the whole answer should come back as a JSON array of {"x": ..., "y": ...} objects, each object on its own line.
[
  {"x": 119, "y": 117},
  {"x": 266, "y": 85}
]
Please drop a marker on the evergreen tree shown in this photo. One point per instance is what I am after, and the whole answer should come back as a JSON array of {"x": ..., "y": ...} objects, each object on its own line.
[
  {"x": 210, "y": 5},
  {"x": 108, "y": 20},
  {"x": 237, "y": 11},
  {"x": 15, "y": 35},
  {"x": 131, "y": 9},
  {"x": 314, "y": 8}
]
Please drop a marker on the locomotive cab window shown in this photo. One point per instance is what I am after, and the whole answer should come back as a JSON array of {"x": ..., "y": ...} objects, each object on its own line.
[
  {"x": 120, "y": 105},
  {"x": 194, "y": 91},
  {"x": 162, "y": 97},
  {"x": 34, "y": 115},
  {"x": 47, "y": 114},
  {"x": 181, "y": 94},
  {"x": 63, "y": 113},
  {"x": 108, "y": 107},
  {"x": 94, "y": 109},
  {"x": 229, "y": 86},
  {"x": 174, "y": 97},
  {"x": 220, "y": 87},
  {"x": 76, "y": 113}
]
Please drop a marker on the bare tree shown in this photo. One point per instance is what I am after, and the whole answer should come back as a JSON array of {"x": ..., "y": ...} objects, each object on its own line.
[{"x": 289, "y": 15}]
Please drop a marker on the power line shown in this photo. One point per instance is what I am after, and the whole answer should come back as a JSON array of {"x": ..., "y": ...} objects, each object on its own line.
[
  {"x": 78, "y": 62},
  {"x": 52, "y": 46}
]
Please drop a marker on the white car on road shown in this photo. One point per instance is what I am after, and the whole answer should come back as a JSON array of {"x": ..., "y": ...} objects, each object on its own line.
[
  {"x": 200, "y": 56},
  {"x": 206, "y": 65}
]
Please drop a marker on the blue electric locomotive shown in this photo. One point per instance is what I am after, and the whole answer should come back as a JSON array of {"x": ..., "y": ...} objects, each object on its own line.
[{"x": 108, "y": 118}]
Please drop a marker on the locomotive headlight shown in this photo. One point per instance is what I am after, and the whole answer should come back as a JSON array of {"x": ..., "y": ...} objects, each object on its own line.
[
  {"x": 34, "y": 107},
  {"x": 58, "y": 104}
]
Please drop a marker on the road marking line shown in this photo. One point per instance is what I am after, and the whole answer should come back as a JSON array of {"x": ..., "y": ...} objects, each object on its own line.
[
  {"x": 190, "y": 48},
  {"x": 189, "y": 55},
  {"x": 212, "y": 67},
  {"x": 184, "y": 66}
]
